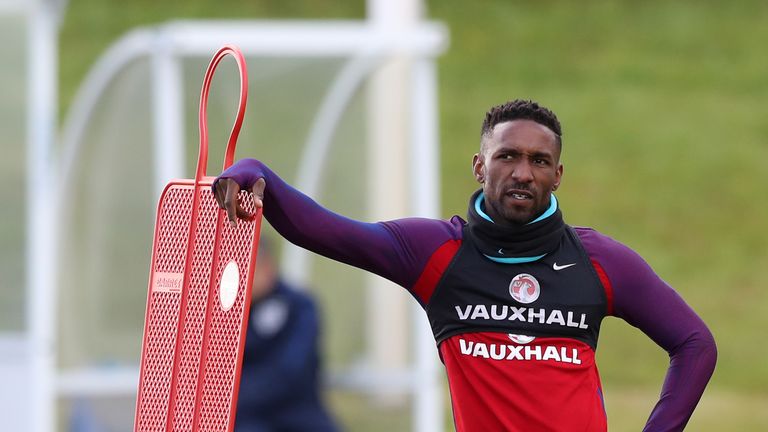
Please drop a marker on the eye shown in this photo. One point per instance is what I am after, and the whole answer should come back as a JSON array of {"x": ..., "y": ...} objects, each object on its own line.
[{"x": 539, "y": 161}]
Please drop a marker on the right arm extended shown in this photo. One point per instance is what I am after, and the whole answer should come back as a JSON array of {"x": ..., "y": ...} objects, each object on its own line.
[{"x": 396, "y": 250}]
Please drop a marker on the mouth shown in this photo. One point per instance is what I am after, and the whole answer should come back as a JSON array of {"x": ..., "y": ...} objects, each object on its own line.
[{"x": 519, "y": 195}]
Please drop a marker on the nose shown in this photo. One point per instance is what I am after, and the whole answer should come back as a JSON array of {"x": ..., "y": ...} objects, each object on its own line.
[{"x": 523, "y": 172}]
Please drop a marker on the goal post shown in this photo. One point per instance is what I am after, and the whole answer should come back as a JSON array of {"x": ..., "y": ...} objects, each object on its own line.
[
  {"x": 28, "y": 116},
  {"x": 327, "y": 67}
]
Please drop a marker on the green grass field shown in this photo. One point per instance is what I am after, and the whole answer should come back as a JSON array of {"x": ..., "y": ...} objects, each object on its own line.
[{"x": 663, "y": 106}]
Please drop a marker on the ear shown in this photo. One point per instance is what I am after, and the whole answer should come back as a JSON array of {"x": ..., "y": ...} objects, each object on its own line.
[
  {"x": 558, "y": 177},
  {"x": 478, "y": 168}
]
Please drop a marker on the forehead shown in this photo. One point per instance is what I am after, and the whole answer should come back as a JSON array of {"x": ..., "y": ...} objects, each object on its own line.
[{"x": 524, "y": 135}]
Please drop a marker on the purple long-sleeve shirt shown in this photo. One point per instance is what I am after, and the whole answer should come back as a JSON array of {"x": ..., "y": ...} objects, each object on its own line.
[{"x": 403, "y": 250}]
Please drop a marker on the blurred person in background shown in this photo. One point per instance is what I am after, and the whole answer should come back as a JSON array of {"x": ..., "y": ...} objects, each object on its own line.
[
  {"x": 280, "y": 379},
  {"x": 514, "y": 295}
]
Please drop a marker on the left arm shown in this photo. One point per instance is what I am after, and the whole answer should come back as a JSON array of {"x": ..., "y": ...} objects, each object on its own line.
[{"x": 645, "y": 301}]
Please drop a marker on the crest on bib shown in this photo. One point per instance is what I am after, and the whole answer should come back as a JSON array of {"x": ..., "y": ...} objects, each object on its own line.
[{"x": 524, "y": 288}]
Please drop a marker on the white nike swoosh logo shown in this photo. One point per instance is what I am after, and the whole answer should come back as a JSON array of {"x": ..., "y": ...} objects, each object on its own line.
[
  {"x": 501, "y": 252},
  {"x": 558, "y": 268}
]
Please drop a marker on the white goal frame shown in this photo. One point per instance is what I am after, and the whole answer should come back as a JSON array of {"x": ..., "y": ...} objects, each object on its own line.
[{"x": 367, "y": 47}]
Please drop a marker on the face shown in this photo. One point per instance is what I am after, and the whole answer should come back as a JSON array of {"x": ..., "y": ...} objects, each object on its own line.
[{"x": 519, "y": 167}]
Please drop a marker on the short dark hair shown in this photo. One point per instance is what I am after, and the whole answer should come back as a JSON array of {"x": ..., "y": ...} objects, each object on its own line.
[{"x": 521, "y": 109}]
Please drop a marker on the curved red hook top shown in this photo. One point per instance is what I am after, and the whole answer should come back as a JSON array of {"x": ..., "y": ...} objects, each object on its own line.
[{"x": 202, "y": 157}]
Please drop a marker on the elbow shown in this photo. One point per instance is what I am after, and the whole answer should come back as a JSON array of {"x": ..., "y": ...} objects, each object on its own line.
[
  {"x": 707, "y": 355},
  {"x": 699, "y": 345},
  {"x": 702, "y": 346},
  {"x": 709, "y": 350}
]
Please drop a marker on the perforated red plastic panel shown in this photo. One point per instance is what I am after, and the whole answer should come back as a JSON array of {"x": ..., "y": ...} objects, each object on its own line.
[
  {"x": 194, "y": 331},
  {"x": 222, "y": 355},
  {"x": 193, "y": 347},
  {"x": 163, "y": 300},
  {"x": 194, "y": 326}
]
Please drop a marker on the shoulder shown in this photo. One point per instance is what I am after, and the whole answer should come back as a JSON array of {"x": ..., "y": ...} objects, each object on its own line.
[
  {"x": 418, "y": 243},
  {"x": 425, "y": 228},
  {"x": 626, "y": 271},
  {"x": 593, "y": 239},
  {"x": 602, "y": 247}
]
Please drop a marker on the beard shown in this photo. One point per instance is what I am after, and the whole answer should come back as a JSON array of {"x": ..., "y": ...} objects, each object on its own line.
[{"x": 511, "y": 209}]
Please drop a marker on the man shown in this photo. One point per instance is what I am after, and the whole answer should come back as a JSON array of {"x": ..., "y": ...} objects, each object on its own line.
[
  {"x": 279, "y": 378},
  {"x": 514, "y": 296}
]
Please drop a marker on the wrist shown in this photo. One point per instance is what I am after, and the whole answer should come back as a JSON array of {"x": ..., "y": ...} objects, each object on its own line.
[{"x": 244, "y": 172}]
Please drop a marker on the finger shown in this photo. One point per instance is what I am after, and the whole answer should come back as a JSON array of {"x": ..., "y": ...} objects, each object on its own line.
[
  {"x": 218, "y": 193},
  {"x": 258, "y": 192},
  {"x": 242, "y": 214},
  {"x": 230, "y": 201},
  {"x": 239, "y": 209}
]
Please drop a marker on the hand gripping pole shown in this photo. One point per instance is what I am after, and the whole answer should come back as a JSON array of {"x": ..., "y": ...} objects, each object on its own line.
[{"x": 199, "y": 295}]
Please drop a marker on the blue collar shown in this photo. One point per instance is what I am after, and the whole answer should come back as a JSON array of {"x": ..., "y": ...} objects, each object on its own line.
[{"x": 550, "y": 211}]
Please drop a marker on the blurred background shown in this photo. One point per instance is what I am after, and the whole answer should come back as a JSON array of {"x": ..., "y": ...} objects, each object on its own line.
[{"x": 665, "y": 122}]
